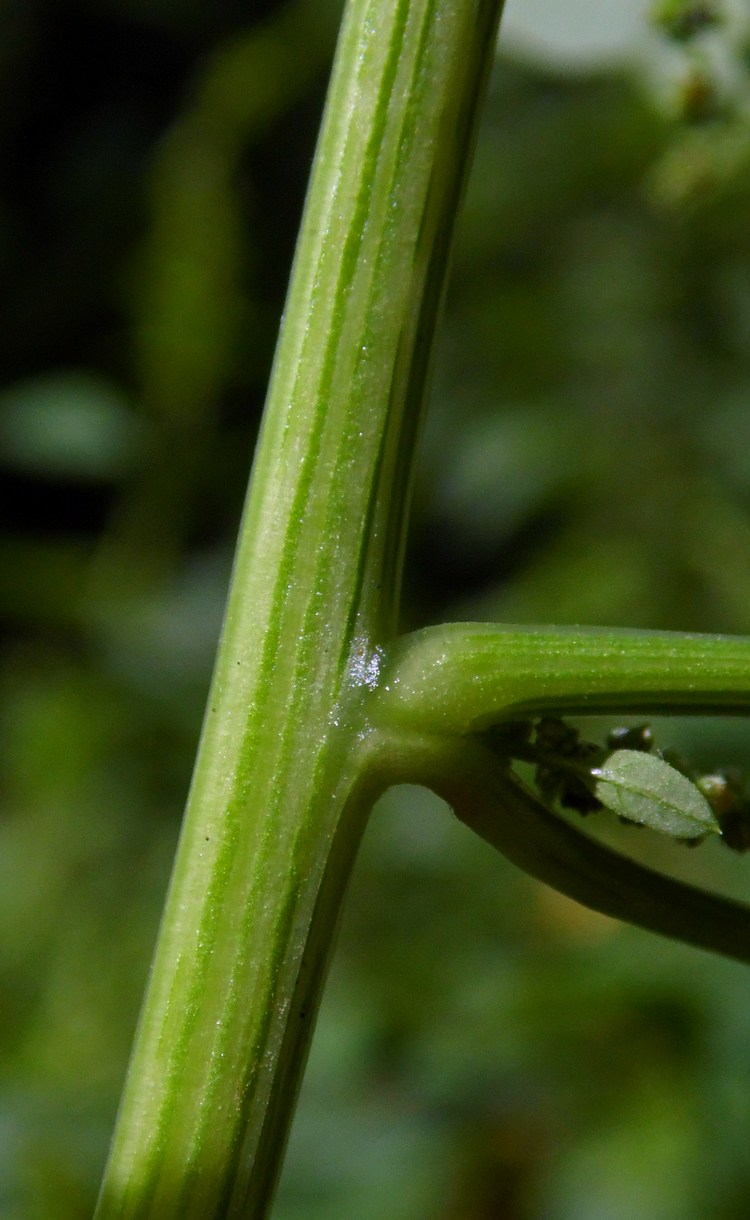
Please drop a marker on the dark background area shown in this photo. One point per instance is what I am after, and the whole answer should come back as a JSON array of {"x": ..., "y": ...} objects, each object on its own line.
[{"x": 486, "y": 1048}]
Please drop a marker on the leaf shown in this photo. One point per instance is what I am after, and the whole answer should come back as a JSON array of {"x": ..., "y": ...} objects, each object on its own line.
[{"x": 643, "y": 788}]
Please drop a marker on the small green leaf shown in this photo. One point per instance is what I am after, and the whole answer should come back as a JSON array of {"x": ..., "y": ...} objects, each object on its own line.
[{"x": 643, "y": 788}]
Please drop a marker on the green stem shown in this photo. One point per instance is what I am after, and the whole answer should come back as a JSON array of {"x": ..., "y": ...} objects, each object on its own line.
[
  {"x": 276, "y": 806},
  {"x": 462, "y": 677}
]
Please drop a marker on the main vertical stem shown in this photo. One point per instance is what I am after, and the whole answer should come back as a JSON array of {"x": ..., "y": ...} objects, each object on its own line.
[{"x": 275, "y": 812}]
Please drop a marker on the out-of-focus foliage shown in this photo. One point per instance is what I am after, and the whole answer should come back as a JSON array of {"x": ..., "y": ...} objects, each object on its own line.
[
  {"x": 486, "y": 1048},
  {"x": 702, "y": 74}
]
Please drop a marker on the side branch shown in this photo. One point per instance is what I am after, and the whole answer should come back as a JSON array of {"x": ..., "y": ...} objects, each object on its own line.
[
  {"x": 463, "y": 677},
  {"x": 442, "y": 686},
  {"x": 485, "y": 797}
]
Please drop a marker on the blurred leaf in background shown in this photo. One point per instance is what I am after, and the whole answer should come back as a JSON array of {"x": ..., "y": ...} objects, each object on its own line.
[{"x": 486, "y": 1048}]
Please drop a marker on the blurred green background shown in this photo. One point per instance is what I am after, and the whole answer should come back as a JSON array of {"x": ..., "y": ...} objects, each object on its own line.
[{"x": 486, "y": 1048}]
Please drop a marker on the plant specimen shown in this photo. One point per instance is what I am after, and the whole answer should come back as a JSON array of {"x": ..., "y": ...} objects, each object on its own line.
[{"x": 318, "y": 704}]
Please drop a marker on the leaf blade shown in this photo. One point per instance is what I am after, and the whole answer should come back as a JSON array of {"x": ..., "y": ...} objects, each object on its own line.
[{"x": 643, "y": 788}]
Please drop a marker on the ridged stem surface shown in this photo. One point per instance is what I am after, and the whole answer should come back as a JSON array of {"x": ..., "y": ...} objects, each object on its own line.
[{"x": 276, "y": 807}]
